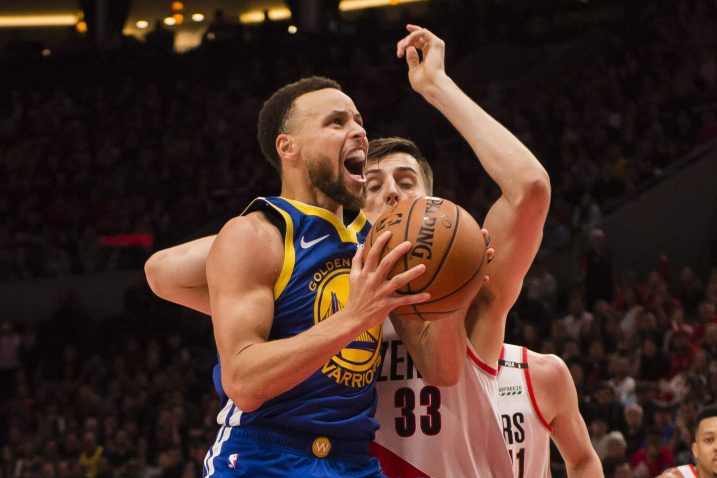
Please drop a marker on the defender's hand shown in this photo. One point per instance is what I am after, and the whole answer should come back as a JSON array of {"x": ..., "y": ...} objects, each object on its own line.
[{"x": 426, "y": 73}]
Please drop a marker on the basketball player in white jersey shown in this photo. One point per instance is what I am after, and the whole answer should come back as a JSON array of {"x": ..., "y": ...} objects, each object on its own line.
[
  {"x": 704, "y": 448},
  {"x": 538, "y": 401},
  {"x": 444, "y": 431}
]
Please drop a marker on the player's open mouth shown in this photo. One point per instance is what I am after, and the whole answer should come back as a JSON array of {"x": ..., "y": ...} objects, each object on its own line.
[{"x": 355, "y": 164}]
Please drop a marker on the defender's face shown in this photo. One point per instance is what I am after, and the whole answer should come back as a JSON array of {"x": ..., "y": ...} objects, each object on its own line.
[
  {"x": 328, "y": 129},
  {"x": 705, "y": 447},
  {"x": 390, "y": 180}
]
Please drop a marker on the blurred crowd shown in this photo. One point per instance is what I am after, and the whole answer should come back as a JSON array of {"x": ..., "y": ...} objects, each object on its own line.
[
  {"x": 104, "y": 159},
  {"x": 100, "y": 159}
]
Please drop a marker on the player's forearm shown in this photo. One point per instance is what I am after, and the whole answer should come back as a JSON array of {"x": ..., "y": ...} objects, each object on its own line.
[
  {"x": 444, "y": 348},
  {"x": 508, "y": 162},
  {"x": 182, "y": 266},
  {"x": 590, "y": 467},
  {"x": 437, "y": 347},
  {"x": 261, "y": 371}
]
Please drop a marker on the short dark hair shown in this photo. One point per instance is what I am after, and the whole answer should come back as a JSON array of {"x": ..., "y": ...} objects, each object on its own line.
[
  {"x": 707, "y": 412},
  {"x": 381, "y": 147},
  {"x": 274, "y": 115}
]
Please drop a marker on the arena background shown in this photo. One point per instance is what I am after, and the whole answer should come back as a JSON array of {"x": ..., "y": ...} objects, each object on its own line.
[{"x": 128, "y": 126}]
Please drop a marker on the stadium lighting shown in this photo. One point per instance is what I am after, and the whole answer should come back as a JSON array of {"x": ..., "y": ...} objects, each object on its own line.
[
  {"x": 279, "y": 14},
  {"x": 142, "y": 24},
  {"x": 348, "y": 5},
  {"x": 256, "y": 16},
  {"x": 198, "y": 17},
  {"x": 169, "y": 21},
  {"x": 292, "y": 29},
  {"x": 54, "y": 20}
]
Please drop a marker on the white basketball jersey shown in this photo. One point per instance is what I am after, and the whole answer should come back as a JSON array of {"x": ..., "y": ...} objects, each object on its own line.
[
  {"x": 437, "y": 432},
  {"x": 525, "y": 431},
  {"x": 687, "y": 471}
]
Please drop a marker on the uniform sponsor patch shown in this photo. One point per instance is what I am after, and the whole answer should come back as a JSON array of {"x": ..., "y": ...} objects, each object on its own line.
[{"x": 510, "y": 391}]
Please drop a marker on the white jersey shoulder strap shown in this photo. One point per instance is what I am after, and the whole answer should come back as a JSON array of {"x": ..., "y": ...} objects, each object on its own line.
[{"x": 513, "y": 367}]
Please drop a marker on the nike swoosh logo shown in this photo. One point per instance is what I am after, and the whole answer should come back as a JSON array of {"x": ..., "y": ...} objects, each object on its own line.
[{"x": 306, "y": 245}]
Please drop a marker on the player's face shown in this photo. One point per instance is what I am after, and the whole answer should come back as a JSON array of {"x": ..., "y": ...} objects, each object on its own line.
[
  {"x": 329, "y": 131},
  {"x": 705, "y": 447},
  {"x": 390, "y": 180}
]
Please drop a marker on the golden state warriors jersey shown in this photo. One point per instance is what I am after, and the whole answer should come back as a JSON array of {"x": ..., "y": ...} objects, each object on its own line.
[{"x": 339, "y": 399}]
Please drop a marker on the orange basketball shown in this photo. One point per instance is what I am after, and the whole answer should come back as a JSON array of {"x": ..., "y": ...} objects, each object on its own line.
[{"x": 447, "y": 240}]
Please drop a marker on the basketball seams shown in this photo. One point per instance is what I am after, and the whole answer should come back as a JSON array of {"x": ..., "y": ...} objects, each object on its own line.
[
  {"x": 468, "y": 281},
  {"x": 405, "y": 238},
  {"x": 456, "y": 246},
  {"x": 447, "y": 249}
]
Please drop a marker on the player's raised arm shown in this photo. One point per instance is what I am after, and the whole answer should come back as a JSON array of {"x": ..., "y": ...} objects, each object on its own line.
[
  {"x": 178, "y": 274},
  {"x": 516, "y": 220}
]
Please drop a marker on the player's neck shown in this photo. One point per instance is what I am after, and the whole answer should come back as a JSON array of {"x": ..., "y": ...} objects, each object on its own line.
[
  {"x": 311, "y": 196},
  {"x": 702, "y": 473}
]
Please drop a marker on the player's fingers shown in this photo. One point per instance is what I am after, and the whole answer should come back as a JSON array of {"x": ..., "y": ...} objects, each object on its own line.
[
  {"x": 415, "y": 39},
  {"x": 489, "y": 255},
  {"x": 400, "y": 280},
  {"x": 412, "y": 58},
  {"x": 357, "y": 261},
  {"x": 390, "y": 259},
  {"x": 371, "y": 261},
  {"x": 408, "y": 299},
  {"x": 486, "y": 236}
]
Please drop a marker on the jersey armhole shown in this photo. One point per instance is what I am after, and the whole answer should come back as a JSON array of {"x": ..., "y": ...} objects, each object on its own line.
[
  {"x": 531, "y": 393},
  {"x": 280, "y": 219},
  {"x": 480, "y": 363}
]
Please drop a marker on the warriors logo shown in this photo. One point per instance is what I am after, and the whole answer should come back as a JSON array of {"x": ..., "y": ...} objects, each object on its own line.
[{"x": 355, "y": 366}]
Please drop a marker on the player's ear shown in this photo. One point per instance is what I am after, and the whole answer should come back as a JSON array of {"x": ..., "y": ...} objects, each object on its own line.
[{"x": 286, "y": 146}]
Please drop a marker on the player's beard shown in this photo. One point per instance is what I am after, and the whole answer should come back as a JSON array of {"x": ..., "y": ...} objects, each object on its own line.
[{"x": 321, "y": 177}]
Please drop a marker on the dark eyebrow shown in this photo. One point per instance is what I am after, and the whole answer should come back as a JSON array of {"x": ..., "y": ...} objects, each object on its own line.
[
  {"x": 400, "y": 169},
  {"x": 404, "y": 169},
  {"x": 356, "y": 116}
]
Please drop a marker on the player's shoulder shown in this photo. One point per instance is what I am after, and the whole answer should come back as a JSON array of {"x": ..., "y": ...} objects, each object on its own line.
[
  {"x": 250, "y": 239},
  {"x": 670, "y": 473},
  {"x": 548, "y": 370},
  {"x": 254, "y": 225}
]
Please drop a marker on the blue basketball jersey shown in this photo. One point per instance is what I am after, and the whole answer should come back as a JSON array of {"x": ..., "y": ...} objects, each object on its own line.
[{"x": 339, "y": 399}]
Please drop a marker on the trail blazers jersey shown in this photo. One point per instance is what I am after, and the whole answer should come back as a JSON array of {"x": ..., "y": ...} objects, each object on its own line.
[
  {"x": 338, "y": 399},
  {"x": 687, "y": 471},
  {"x": 437, "y": 432},
  {"x": 525, "y": 431}
]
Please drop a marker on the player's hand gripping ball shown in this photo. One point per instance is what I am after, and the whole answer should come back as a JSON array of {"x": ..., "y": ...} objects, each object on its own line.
[{"x": 447, "y": 240}]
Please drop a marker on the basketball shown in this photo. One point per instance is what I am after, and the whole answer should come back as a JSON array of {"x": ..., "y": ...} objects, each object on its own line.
[{"x": 447, "y": 240}]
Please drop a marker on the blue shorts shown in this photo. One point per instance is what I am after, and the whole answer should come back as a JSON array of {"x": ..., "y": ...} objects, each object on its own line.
[{"x": 255, "y": 452}]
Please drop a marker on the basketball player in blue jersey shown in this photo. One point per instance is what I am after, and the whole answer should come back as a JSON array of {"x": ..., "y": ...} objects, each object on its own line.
[{"x": 297, "y": 352}]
